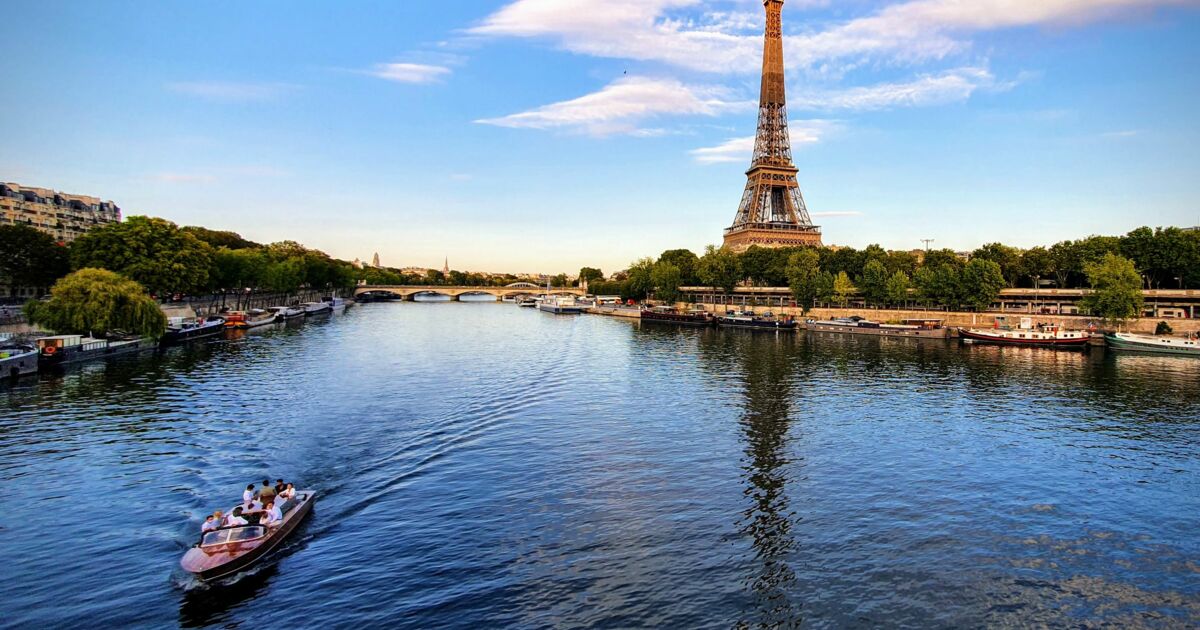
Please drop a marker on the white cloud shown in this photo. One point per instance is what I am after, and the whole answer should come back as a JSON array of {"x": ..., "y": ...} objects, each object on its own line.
[
  {"x": 801, "y": 133},
  {"x": 1127, "y": 133},
  {"x": 620, "y": 106},
  {"x": 408, "y": 72},
  {"x": 952, "y": 86},
  {"x": 719, "y": 42},
  {"x": 231, "y": 92}
]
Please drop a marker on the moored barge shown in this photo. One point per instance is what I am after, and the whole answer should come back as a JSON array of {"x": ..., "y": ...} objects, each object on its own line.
[
  {"x": 1157, "y": 344},
  {"x": 918, "y": 328},
  {"x": 669, "y": 315},
  {"x": 750, "y": 321},
  {"x": 1028, "y": 334}
]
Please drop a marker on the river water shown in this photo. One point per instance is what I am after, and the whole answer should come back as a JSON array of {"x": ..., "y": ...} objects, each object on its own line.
[{"x": 481, "y": 465}]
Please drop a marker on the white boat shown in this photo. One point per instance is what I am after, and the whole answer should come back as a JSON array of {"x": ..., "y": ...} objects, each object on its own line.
[
  {"x": 316, "y": 308},
  {"x": 252, "y": 318},
  {"x": 1159, "y": 344},
  {"x": 17, "y": 359},
  {"x": 527, "y": 302},
  {"x": 560, "y": 305},
  {"x": 288, "y": 312},
  {"x": 336, "y": 304},
  {"x": 508, "y": 298}
]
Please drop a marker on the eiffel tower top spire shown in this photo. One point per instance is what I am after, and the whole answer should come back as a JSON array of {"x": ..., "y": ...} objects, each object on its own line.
[{"x": 772, "y": 212}]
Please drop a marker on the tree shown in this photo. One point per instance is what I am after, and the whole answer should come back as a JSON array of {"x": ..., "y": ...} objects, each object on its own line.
[
  {"x": 559, "y": 280},
  {"x": 666, "y": 278},
  {"x": 1036, "y": 262},
  {"x": 980, "y": 282},
  {"x": 639, "y": 282},
  {"x": 30, "y": 257},
  {"x": 1116, "y": 289},
  {"x": 96, "y": 302},
  {"x": 153, "y": 252},
  {"x": 237, "y": 268},
  {"x": 843, "y": 288},
  {"x": 219, "y": 238},
  {"x": 687, "y": 262},
  {"x": 897, "y": 288},
  {"x": 873, "y": 283},
  {"x": 938, "y": 257},
  {"x": 589, "y": 275},
  {"x": 283, "y": 276},
  {"x": 720, "y": 268},
  {"x": 1008, "y": 258},
  {"x": 901, "y": 261},
  {"x": 804, "y": 277}
]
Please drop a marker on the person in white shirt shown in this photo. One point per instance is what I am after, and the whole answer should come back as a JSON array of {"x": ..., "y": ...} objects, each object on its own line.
[
  {"x": 273, "y": 517},
  {"x": 236, "y": 518},
  {"x": 251, "y": 506},
  {"x": 209, "y": 524},
  {"x": 287, "y": 494},
  {"x": 248, "y": 495}
]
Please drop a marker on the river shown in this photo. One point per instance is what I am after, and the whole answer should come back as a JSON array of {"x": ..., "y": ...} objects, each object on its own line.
[{"x": 482, "y": 465}]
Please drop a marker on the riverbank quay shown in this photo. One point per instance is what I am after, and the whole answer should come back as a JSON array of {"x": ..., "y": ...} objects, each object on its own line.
[{"x": 954, "y": 319}]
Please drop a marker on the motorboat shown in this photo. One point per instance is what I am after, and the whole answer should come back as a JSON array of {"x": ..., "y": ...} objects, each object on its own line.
[
  {"x": 288, "y": 312},
  {"x": 226, "y": 550},
  {"x": 17, "y": 359},
  {"x": 527, "y": 302},
  {"x": 316, "y": 308},
  {"x": 1158, "y": 344},
  {"x": 1027, "y": 334},
  {"x": 181, "y": 329},
  {"x": 336, "y": 304},
  {"x": 669, "y": 315},
  {"x": 250, "y": 319},
  {"x": 560, "y": 305},
  {"x": 749, "y": 320}
]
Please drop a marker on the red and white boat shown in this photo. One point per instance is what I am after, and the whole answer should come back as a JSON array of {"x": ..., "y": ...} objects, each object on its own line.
[{"x": 1027, "y": 334}]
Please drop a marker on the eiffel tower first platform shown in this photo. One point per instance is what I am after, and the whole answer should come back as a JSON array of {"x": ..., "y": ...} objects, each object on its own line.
[{"x": 772, "y": 212}]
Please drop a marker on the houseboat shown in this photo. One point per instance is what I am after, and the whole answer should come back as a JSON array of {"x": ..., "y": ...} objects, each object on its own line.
[
  {"x": 855, "y": 325},
  {"x": 252, "y": 318},
  {"x": 1027, "y": 334},
  {"x": 316, "y": 308},
  {"x": 58, "y": 350},
  {"x": 747, "y": 319},
  {"x": 17, "y": 359},
  {"x": 1158, "y": 344},
  {"x": 560, "y": 305},
  {"x": 226, "y": 550},
  {"x": 181, "y": 329},
  {"x": 288, "y": 312},
  {"x": 669, "y": 315}
]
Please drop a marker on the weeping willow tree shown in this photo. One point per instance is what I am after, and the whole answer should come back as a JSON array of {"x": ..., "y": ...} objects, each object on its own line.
[{"x": 96, "y": 302}]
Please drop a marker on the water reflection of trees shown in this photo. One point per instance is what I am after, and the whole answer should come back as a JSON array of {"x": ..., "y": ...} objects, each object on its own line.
[{"x": 765, "y": 364}]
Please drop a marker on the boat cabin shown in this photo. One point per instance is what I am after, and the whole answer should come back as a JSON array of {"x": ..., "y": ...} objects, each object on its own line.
[
  {"x": 62, "y": 342},
  {"x": 922, "y": 323}
]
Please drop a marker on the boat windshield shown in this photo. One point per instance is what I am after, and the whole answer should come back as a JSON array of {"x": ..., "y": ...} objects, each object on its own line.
[{"x": 232, "y": 535}]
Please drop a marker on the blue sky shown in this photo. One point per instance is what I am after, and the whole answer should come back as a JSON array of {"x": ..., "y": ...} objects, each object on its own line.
[{"x": 543, "y": 135}]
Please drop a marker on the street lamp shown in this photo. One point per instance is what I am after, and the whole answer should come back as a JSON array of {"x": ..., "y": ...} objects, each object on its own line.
[
  {"x": 1180, "y": 280},
  {"x": 1037, "y": 284}
]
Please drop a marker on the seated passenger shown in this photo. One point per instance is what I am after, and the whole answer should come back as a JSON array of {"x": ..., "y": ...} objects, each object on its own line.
[
  {"x": 279, "y": 486},
  {"x": 249, "y": 494},
  {"x": 267, "y": 493},
  {"x": 251, "y": 506},
  {"x": 236, "y": 518},
  {"x": 209, "y": 524},
  {"x": 288, "y": 493},
  {"x": 273, "y": 517}
]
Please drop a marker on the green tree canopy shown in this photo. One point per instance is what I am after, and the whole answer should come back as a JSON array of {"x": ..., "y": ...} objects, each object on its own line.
[
  {"x": 938, "y": 257},
  {"x": 980, "y": 282},
  {"x": 687, "y": 262},
  {"x": 1008, "y": 258},
  {"x": 153, "y": 252},
  {"x": 219, "y": 238},
  {"x": 1116, "y": 289},
  {"x": 1037, "y": 265},
  {"x": 30, "y": 257},
  {"x": 719, "y": 267},
  {"x": 666, "y": 278},
  {"x": 873, "y": 283},
  {"x": 96, "y": 302},
  {"x": 804, "y": 278},
  {"x": 896, "y": 288},
  {"x": 638, "y": 281},
  {"x": 843, "y": 288},
  {"x": 590, "y": 275}
]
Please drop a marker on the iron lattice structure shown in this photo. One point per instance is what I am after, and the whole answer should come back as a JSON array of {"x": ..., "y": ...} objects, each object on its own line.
[{"x": 772, "y": 212}]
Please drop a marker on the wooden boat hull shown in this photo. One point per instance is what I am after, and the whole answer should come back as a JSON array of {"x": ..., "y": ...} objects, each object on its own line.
[
  {"x": 236, "y": 557},
  {"x": 1131, "y": 345},
  {"x": 1081, "y": 342}
]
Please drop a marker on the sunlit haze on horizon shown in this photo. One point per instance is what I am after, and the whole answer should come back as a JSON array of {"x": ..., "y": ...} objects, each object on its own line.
[{"x": 546, "y": 135}]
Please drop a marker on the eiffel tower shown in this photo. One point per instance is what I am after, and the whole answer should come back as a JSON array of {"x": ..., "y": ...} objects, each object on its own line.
[{"x": 772, "y": 212}]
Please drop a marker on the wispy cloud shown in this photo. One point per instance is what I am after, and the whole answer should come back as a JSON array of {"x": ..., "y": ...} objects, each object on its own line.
[
  {"x": 409, "y": 72},
  {"x": 801, "y": 132},
  {"x": 231, "y": 92},
  {"x": 620, "y": 106},
  {"x": 836, "y": 213},
  {"x": 1127, "y": 133},
  {"x": 720, "y": 42},
  {"x": 952, "y": 86}
]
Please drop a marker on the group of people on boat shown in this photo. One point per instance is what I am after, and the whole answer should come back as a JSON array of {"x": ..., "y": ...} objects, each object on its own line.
[{"x": 259, "y": 506}]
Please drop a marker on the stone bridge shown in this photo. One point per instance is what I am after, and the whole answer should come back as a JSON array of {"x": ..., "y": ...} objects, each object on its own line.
[{"x": 409, "y": 291}]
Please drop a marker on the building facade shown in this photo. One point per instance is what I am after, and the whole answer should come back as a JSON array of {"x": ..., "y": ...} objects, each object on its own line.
[{"x": 61, "y": 215}]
